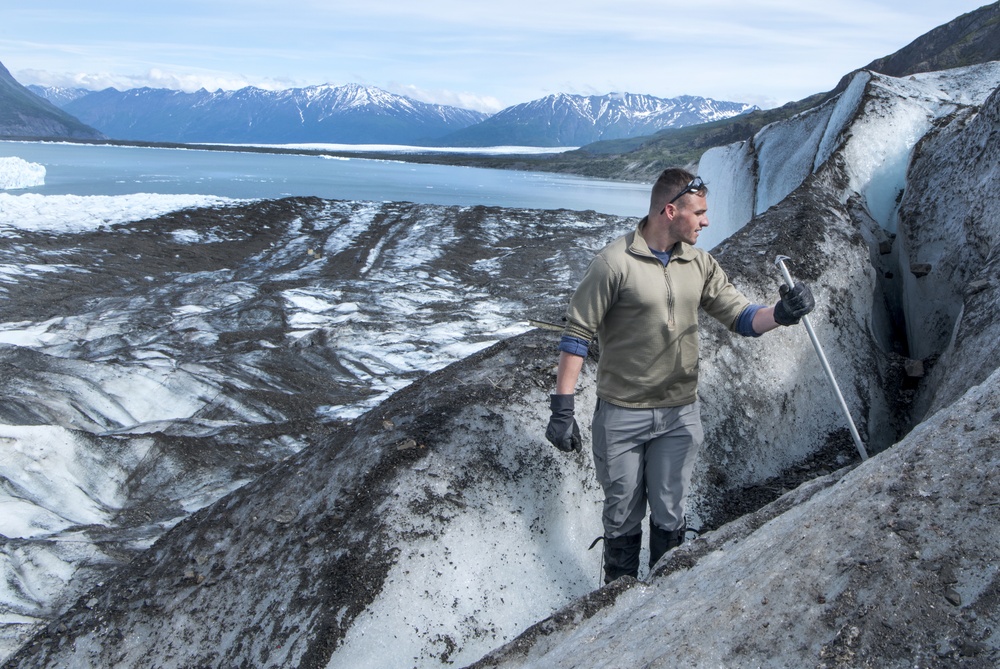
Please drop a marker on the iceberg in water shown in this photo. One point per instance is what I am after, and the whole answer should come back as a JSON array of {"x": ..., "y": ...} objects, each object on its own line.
[{"x": 17, "y": 173}]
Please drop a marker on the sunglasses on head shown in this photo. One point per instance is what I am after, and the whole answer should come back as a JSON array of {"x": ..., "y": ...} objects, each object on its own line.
[{"x": 693, "y": 186}]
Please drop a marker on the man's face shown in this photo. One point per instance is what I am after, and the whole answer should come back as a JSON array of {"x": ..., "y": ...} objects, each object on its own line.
[{"x": 690, "y": 216}]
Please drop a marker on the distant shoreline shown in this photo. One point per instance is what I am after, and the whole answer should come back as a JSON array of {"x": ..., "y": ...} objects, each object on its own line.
[
  {"x": 561, "y": 160},
  {"x": 461, "y": 156}
]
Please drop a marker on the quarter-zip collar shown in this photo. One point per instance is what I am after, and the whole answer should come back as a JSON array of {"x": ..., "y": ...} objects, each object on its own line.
[{"x": 637, "y": 245}]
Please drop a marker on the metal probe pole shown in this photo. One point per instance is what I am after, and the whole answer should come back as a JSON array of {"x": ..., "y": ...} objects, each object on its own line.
[{"x": 779, "y": 261}]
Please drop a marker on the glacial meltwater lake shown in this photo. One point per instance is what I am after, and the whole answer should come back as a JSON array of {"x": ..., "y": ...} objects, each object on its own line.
[{"x": 90, "y": 169}]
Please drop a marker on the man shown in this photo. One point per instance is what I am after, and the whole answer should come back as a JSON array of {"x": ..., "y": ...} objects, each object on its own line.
[{"x": 640, "y": 298}]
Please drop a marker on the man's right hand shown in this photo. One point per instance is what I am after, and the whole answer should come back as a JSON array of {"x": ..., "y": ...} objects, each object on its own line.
[
  {"x": 795, "y": 303},
  {"x": 563, "y": 432}
]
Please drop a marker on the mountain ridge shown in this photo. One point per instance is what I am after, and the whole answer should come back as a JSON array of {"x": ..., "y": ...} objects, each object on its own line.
[
  {"x": 967, "y": 40},
  {"x": 356, "y": 114},
  {"x": 322, "y": 113},
  {"x": 24, "y": 114},
  {"x": 564, "y": 119}
]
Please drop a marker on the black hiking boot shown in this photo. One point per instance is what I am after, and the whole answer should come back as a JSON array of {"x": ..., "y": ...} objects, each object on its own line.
[
  {"x": 661, "y": 541},
  {"x": 621, "y": 557}
]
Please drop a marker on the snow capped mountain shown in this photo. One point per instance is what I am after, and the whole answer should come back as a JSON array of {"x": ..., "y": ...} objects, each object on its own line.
[
  {"x": 575, "y": 120},
  {"x": 355, "y": 114},
  {"x": 350, "y": 114},
  {"x": 59, "y": 96}
]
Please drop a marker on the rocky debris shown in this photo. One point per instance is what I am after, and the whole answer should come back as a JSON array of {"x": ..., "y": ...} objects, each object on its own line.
[
  {"x": 336, "y": 552},
  {"x": 914, "y": 368},
  {"x": 237, "y": 349}
]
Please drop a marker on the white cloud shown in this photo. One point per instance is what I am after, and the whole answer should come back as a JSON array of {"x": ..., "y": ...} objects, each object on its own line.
[
  {"x": 483, "y": 103},
  {"x": 472, "y": 55},
  {"x": 154, "y": 78}
]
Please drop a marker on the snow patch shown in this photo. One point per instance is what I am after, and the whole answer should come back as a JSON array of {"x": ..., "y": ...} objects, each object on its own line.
[{"x": 86, "y": 213}]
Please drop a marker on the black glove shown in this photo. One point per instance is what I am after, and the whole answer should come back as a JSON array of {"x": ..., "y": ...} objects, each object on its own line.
[
  {"x": 795, "y": 303},
  {"x": 563, "y": 431}
]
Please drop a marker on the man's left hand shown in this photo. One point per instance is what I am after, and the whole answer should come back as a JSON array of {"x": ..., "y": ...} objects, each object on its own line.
[
  {"x": 795, "y": 303},
  {"x": 563, "y": 432}
]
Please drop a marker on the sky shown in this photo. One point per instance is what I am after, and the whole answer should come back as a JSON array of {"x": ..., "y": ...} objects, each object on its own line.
[{"x": 483, "y": 56}]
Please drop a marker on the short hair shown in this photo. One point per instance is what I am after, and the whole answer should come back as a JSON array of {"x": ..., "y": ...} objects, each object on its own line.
[{"x": 670, "y": 182}]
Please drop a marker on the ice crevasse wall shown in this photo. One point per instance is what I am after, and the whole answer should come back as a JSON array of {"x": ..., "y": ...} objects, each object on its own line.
[
  {"x": 747, "y": 178},
  {"x": 868, "y": 137}
]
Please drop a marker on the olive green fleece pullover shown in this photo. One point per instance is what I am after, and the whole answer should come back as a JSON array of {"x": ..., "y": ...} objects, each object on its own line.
[{"x": 645, "y": 317}]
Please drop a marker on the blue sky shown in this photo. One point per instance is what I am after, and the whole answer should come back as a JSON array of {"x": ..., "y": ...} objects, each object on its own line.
[{"x": 484, "y": 56}]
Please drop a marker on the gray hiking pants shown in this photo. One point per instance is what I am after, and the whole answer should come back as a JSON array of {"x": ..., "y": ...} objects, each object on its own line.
[{"x": 645, "y": 455}]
